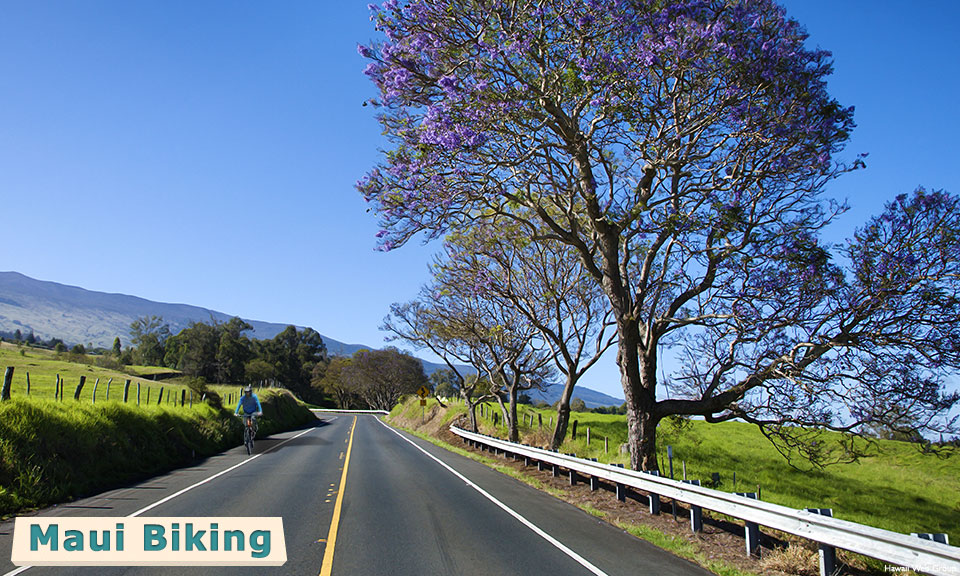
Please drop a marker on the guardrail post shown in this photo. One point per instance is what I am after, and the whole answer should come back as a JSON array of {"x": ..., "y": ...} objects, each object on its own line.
[
  {"x": 556, "y": 470},
  {"x": 594, "y": 483},
  {"x": 621, "y": 492},
  {"x": 696, "y": 512},
  {"x": 653, "y": 498},
  {"x": 573, "y": 477},
  {"x": 751, "y": 529},
  {"x": 828, "y": 554}
]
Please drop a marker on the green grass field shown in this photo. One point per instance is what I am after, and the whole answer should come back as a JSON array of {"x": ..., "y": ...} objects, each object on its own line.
[
  {"x": 897, "y": 488},
  {"x": 43, "y": 367}
]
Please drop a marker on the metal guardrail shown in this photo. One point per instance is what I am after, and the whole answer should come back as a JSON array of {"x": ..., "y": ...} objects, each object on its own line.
[{"x": 924, "y": 556}]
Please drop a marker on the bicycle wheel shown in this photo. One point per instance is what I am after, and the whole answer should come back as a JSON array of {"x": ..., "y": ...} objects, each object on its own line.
[{"x": 248, "y": 440}]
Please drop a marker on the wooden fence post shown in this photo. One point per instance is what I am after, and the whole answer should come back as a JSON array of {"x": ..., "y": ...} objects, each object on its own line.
[
  {"x": 56, "y": 393},
  {"x": 83, "y": 380},
  {"x": 7, "y": 384},
  {"x": 574, "y": 432},
  {"x": 95, "y": 384},
  {"x": 126, "y": 391},
  {"x": 28, "y": 383},
  {"x": 138, "y": 393},
  {"x": 183, "y": 397},
  {"x": 108, "y": 388}
]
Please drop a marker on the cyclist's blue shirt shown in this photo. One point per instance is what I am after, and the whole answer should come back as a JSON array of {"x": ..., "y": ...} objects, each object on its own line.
[{"x": 250, "y": 404}]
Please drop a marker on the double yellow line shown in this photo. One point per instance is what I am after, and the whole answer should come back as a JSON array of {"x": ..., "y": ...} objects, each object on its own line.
[{"x": 326, "y": 569}]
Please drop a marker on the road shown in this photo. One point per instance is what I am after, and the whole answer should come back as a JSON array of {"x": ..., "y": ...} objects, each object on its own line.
[{"x": 401, "y": 507}]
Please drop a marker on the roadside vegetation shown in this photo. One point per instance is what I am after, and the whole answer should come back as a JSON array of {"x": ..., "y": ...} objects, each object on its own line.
[{"x": 57, "y": 450}]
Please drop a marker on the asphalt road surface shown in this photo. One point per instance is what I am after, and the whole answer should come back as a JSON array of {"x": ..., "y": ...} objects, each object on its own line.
[{"x": 358, "y": 497}]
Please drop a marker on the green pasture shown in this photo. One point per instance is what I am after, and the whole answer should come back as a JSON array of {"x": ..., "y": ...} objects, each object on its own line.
[{"x": 43, "y": 367}]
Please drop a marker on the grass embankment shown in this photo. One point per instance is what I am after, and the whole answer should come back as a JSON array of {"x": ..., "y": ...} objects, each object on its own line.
[
  {"x": 53, "y": 451},
  {"x": 896, "y": 488}
]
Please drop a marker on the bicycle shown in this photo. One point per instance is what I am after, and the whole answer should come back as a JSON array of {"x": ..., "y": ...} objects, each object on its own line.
[{"x": 249, "y": 431}]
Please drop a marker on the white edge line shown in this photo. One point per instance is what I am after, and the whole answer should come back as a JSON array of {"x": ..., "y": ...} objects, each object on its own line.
[
  {"x": 559, "y": 545},
  {"x": 217, "y": 475},
  {"x": 23, "y": 569}
]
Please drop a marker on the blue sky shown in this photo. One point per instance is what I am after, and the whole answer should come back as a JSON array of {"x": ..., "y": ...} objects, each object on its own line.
[{"x": 205, "y": 152}]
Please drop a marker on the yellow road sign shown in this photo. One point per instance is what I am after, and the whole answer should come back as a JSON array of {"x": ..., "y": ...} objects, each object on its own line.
[{"x": 423, "y": 392}]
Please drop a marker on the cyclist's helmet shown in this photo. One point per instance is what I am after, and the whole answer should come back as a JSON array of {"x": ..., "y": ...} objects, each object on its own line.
[{"x": 248, "y": 389}]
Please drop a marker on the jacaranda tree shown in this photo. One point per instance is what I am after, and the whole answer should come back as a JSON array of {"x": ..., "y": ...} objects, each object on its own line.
[
  {"x": 545, "y": 283},
  {"x": 681, "y": 149}
]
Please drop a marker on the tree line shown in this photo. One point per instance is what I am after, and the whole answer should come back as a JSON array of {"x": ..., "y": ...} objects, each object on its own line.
[{"x": 221, "y": 352}]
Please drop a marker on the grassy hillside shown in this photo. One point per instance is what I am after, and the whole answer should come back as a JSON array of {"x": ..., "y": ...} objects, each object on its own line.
[
  {"x": 897, "y": 488},
  {"x": 43, "y": 367},
  {"x": 52, "y": 451}
]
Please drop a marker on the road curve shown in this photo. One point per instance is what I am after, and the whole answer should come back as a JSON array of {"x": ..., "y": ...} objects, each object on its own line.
[{"x": 406, "y": 508}]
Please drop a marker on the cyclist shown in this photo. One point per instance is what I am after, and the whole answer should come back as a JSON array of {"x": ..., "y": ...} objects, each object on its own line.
[{"x": 251, "y": 406}]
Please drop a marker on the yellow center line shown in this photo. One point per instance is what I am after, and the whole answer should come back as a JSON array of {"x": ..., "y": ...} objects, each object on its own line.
[{"x": 326, "y": 569}]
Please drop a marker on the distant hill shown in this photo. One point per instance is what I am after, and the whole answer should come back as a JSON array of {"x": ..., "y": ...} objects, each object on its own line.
[
  {"x": 79, "y": 316},
  {"x": 591, "y": 398}
]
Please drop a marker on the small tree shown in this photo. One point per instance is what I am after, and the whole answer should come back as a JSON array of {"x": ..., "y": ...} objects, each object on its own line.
[
  {"x": 442, "y": 325},
  {"x": 381, "y": 377},
  {"x": 546, "y": 284},
  {"x": 336, "y": 382},
  {"x": 148, "y": 336}
]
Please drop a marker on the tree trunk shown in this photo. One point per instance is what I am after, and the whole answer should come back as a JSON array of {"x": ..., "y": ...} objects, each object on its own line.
[
  {"x": 514, "y": 435},
  {"x": 472, "y": 411},
  {"x": 563, "y": 414},
  {"x": 637, "y": 379}
]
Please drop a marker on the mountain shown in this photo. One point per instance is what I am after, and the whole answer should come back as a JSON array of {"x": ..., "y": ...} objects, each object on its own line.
[
  {"x": 79, "y": 316},
  {"x": 591, "y": 398}
]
